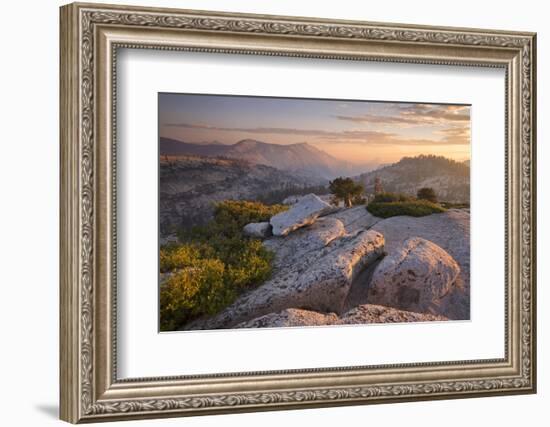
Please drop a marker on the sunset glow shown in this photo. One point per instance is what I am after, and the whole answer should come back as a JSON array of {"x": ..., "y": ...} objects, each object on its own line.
[{"x": 361, "y": 132}]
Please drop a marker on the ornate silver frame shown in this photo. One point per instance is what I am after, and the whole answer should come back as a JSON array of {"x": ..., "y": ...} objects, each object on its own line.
[{"x": 90, "y": 36}]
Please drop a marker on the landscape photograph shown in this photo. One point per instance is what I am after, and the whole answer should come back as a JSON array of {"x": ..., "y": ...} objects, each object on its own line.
[{"x": 300, "y": 212}]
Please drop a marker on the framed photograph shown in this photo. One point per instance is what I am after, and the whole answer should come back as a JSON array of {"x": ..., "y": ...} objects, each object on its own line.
[{"x": 266, "y": 212}]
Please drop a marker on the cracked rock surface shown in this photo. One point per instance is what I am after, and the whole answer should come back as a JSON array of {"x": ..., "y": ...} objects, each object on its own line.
[
  {"x": 350, "y": 267},
  {"x": 304, "y": 212},
  {"x": 304, "y": 241},
  {"x": 320, "y": 281},
  {"x": 415, "y": 276},
  {"x": 362, "y": 314},
  {"x": 450, "y": 231}
]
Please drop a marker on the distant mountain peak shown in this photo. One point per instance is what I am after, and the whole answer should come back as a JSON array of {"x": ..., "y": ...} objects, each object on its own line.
[
  {"x": 249, "y": 142},
  {"x": 301, "y": 158},
  {"x": 307, "y": 146}
]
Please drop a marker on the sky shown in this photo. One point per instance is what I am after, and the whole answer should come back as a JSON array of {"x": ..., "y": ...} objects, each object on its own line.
[{"x": 361, "y": 132}]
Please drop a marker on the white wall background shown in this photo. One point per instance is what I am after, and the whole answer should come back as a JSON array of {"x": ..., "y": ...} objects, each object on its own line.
[{"x": 29, "y": 170}]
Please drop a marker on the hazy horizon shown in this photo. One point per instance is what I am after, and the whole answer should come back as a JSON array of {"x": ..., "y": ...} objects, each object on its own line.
[{"x": 360, "y": 132}]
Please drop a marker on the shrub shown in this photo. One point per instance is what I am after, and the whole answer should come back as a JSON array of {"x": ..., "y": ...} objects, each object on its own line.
[
  {"x": 415, "y": 208},
  {"x": 240, "y": 213},
  {"x": 251, "y": 265},
  {"x": 177, "y": 256},
  {"x": 205, "y": 278},
  {"x": 214, "y": 264},
  {"x": 193, "y": 291},
  {"x": 230, "y": 216},
  {"x": 427, "y": 193},
  {"x": 391, "y": 197}
]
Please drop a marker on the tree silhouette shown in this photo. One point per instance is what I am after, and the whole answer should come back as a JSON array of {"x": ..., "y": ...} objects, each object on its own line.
[
  {"x": 347, "y": 190},
  {"x": 427, "y": 193}
]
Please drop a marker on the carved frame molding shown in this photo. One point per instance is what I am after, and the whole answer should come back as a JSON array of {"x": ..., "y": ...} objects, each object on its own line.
[{"x": 90, "y": 37}]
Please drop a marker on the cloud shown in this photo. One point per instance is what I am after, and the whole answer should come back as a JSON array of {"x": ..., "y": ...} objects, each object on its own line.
[
  {"x": 415, "y": 115},
  {"x": 387, "y": 138},
  {"x": 457, "y": 134},
  {"x": 378, "y": 119},
  {"x": 425, "y": 112},
  {"x": 257, "y": 130}
]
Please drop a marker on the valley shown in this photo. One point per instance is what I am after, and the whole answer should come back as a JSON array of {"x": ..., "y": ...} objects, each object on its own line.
[{"x": 193, "y": 177}]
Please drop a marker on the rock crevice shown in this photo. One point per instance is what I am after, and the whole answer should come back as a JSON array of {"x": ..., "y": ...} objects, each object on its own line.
[
  {"x": 350, "y": 267},
  {"x": 320, "y": 282}
]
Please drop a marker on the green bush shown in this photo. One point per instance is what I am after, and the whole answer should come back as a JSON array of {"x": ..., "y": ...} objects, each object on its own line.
[
  {"x": 391, "y": 197},
  {"x": 249, "y": 266},
  {"x": 214, "y": 264},
  {"x": 191, "y": 292},
  {"x": 177, "y": 256},
  {"x": 427, "y": 193},
  {"x": 415, "y": 208},
  {"x": 230, "y": 216},
  {"x": 240, "y": 212}
]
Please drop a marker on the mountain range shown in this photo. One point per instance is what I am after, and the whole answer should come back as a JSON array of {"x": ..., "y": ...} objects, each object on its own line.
[
  {"x": 450, "y": 179},
  {"x": 300, "y": 159},
  {"x": 191, "y": 185}
]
